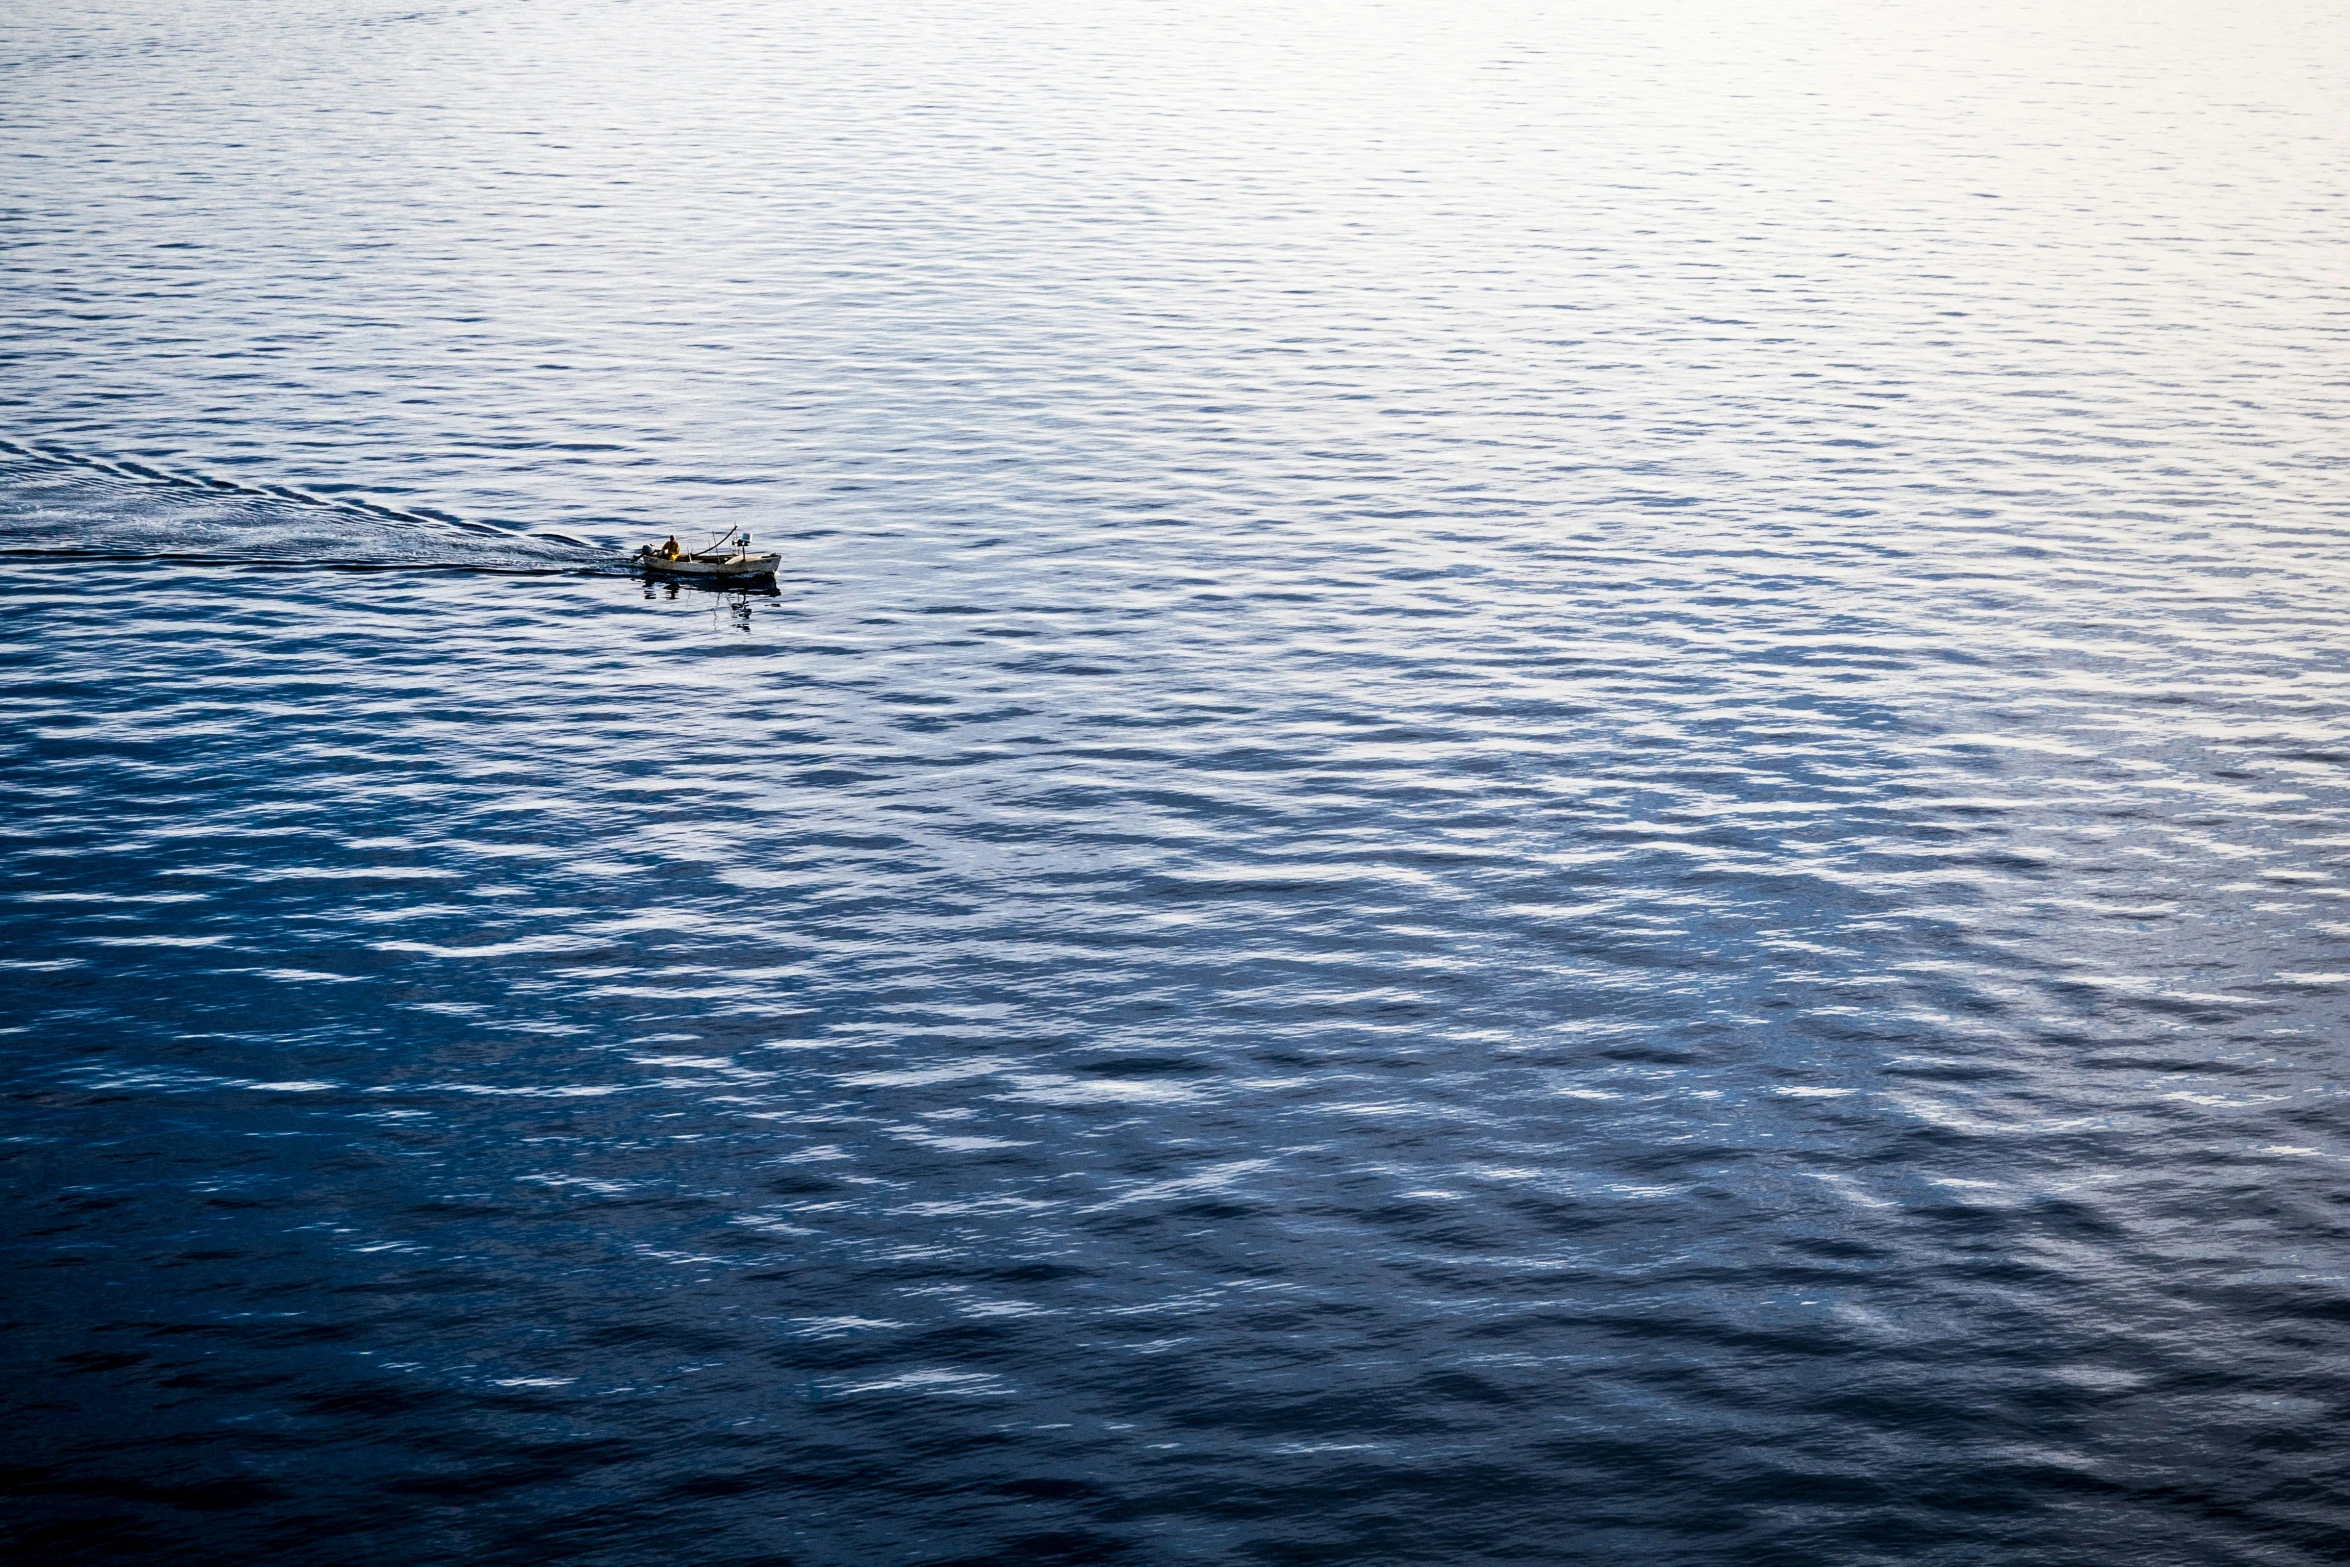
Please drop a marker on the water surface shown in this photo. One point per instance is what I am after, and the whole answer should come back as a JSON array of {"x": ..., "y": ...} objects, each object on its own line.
[{"x": 1535, "y": 784}]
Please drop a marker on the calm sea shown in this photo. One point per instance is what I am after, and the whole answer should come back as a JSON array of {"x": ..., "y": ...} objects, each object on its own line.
[{"x": 1531, "y": 784}]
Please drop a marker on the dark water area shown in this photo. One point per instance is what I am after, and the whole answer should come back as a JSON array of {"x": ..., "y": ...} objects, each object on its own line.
[{"x": 1529, "y": 785}]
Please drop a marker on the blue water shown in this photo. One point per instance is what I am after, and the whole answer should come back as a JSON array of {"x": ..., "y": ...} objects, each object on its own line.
[{"x": 1530, "y": 784}]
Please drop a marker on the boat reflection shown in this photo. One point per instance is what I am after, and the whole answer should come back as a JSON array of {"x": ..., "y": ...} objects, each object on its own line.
[{"x": 733, "y": 599}]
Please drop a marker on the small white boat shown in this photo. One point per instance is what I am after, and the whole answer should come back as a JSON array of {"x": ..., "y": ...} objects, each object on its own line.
[{"x": 733, "y": 558}]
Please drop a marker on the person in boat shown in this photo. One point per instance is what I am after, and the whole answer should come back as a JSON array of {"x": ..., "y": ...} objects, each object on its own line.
[{"x": 669, "y": 549}]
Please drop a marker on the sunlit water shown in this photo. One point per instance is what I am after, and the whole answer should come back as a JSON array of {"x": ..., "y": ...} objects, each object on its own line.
[{"x": 1530, "y": 785}]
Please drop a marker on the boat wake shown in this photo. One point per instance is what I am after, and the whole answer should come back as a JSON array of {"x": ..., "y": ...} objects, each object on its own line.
[{"x": 79, "y": 506}]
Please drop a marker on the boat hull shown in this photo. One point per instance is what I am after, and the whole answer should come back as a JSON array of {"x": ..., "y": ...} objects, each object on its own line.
[{"x": 710, "y": 567}]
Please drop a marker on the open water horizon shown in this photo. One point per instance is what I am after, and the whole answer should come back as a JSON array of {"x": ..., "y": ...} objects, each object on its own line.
[{"x": 1531, "y": 783}]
